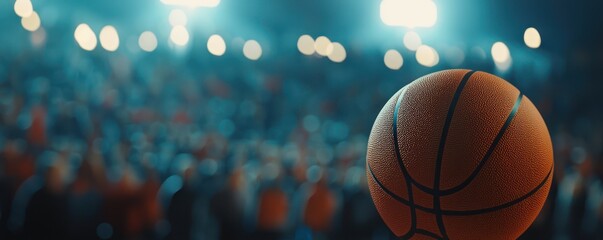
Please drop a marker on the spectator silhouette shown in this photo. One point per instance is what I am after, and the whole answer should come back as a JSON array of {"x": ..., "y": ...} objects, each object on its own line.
[
  {"x": 228, "y": 208},
  {"x": 181, "y": 208},
  {"x": 46, "y": 213}
]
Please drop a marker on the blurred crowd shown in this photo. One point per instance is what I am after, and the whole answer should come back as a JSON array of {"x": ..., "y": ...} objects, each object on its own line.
[{"x": 104, "y": 146}]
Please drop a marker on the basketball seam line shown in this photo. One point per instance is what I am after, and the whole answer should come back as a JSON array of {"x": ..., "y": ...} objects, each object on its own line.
[
  {"x": 407, "y": 177},
  {"x": 462, "y": 212},
  {"x": 501, "y": 206},
  {"x": 482, "y": 162},
  {"x": 438, "y": 163},
  {"x": 491, "y": 149},
  {"x": 486, "y": 157}
]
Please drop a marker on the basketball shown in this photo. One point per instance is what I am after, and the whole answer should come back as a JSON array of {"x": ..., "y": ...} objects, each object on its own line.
[{"x": 459, "y": 154}]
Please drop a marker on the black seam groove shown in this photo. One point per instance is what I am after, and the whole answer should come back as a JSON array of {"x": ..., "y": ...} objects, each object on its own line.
[
  {"x": 463, "y": 212},
  {"x": 421, "y": 187},
  {"x": 486, "y": 157},
  {"x": 438, "y": 163},
  {"x": 396, "y": 197},
  {"x": 502, "y": 206},
  {"x": 413, "y": 213}
]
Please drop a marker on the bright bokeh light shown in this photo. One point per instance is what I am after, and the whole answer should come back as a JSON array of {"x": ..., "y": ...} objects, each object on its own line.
[
  {"x": 393, "y": 59},
  {"x": 252, "y": 50},
  {"x": 409, "y": 13},
  {"x": 427, "y": 56},
  {"x": 500, "y": 52},
  {"x": 192, "y": 3},
  {"x": 532, "y": 38},
  {"x": 31, "y": 23},
  {"x": 321, "y": 45},
  {"x": 85, "y": 37},
  {"x": 109, "y": 38},
  {"x": 179, "y": 35},
  {"x": 147, "y": 41},
  {"x": 412, "y": 40},
  {"x": 501, "y": 56},
  {"x": 305, "y": 45},
  {"x": 178, "y": 18},
  {"x": 338, "y": 53},
  {"x": 23, "y": 8},
  {"x": 216, "y": 45}
]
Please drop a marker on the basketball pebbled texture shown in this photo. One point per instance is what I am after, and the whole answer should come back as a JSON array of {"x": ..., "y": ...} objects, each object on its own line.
[{"x": 459, "y": 154}]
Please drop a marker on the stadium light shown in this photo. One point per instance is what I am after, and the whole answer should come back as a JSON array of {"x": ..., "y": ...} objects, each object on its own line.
[
  {"x": 85, "y": 37},
  {"x": 31, "y": 23},
  {"x": 409, "y": 13},
  {"x": 338, "y": 53},
  {"x": 216, "y": 45},
  {"x": 501, "y": 56},
  {"x": 321, "y": 45},
  {"x": 109, "y": 38},
  {"x": 147, "y": 41},
  {"x": 427, "y": 56},
  {"x": 412, "y": 41},
  {"x": 192, "y": 3},
  {"x": 252, "y": 50},
  {"x": 500, "y": 52},
  {"x": 23, "y": 8},
  {"x": 532, "y": 38},
  {"x": 179, "y": 36},
  {"x": 305, "y": 44},
  {"x": 393, "y": 59}
]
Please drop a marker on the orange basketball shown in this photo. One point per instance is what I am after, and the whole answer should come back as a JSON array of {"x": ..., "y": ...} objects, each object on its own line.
[{"x": 459, "y": 154}]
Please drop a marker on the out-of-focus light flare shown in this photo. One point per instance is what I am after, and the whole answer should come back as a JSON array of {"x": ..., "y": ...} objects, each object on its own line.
[
  {"x": 412, "y": 40},
  {"x": 532, "y": 38},
  {"x": 427, "y": 56},
  {"x": 338, "y": 53},
  {"x": 455, "y": 56},
  {"x": 178, "y": 18},
  {"x": 501, "y": 56},
  {"x": 23, "y": 8},
  {"x": 109, "y": 38},
  {"x": 104, "y": 230},
  {"x": 237, "y": 42},
  {"x": 216, "y": 45},
  {"x": 179, "y": 35},
  {"x": 321, "y": 45},
  {"x": 38, "y": 38},
  {"x": 500, "y": 52},
  {"x": 409, "y": 13},
  {"x": 504, "y": 66},
  {"x": 252, "y": 50},
  {"x": 393, "y": 59},
  {"x": 147, "y": 41},
  {"x": 31, "y": 23},
  {"x": 85, "y": 37},
  {"x": 478, "y": 52},
  {"x": 192, "y": 3},
  {"x": 305, "y": 44}
]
